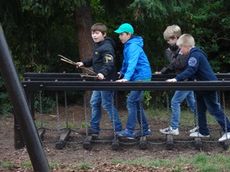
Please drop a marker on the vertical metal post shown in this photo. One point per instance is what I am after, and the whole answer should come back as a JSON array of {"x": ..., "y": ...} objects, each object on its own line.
[{"x": 21, "y": 109}]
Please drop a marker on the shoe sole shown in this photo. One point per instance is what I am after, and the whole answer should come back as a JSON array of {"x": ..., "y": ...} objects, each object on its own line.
[
  {"x": 226, "y": 139},
  {"x": 130, "y": 138},
  {"x": 200, "y": 136},
  {"x": 169, "y": 133}
]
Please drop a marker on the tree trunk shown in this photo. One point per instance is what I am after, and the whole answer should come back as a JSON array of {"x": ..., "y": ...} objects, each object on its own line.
[{"x": 83, "y": 24}]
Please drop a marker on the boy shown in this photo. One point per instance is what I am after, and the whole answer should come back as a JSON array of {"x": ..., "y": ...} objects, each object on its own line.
[
  {"x": 177, "y": 64},
  {"x": 103, "y": 64},
  {"x": 135, "y": 67},
  {"x": 200, "y": 69}
]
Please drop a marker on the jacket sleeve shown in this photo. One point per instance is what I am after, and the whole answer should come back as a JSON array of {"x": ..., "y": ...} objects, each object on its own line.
[
  {"x": 190, "y": 70},
  {"x": 88, "y": 62},
  {"x": 133, "y": 53},
  {"x": 170, "y": 67},
  {"x": 123, "y": 67},
  {"x": 178, "y": 63},
  {"x": 108, "y": 62}
]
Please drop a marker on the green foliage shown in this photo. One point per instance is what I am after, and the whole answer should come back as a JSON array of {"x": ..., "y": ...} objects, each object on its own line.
[
  {"x": 44, "y": 105},
  {"x": 5, "y": 106},
  {"x": 208, "y": 23}
]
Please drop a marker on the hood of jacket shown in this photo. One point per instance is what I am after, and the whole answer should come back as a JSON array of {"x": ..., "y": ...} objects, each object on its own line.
[
  {"x": 107, "y": 40},
  {"x": 138, "y": 40}
]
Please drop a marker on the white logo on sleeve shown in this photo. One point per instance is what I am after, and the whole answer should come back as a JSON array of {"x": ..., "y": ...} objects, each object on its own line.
[{"x": 192, "y": 61}]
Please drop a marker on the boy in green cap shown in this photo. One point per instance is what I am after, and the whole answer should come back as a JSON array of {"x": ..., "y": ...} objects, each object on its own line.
[{"x": 135, "y": 67}]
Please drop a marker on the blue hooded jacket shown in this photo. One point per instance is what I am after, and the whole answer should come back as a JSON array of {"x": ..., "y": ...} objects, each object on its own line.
[
  {"x": 198, "y": 67},
  {"x": 135, "y": 65}
]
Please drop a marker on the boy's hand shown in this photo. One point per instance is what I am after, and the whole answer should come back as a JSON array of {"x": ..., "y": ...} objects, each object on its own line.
[
  {"x": 157, "y": 72},
  {"x": 100, "y": 76},
  {"x": 171, "y": 80},
  {"x": 121, "y": 80},
  {"x": 79, "y": 64}
]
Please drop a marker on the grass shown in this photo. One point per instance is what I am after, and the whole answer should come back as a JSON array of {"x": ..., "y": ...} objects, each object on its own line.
[
  {"x": 84, "y": 166},
  {"x": 6, "y": 165},
  {"x": 187, "y": 117},
  {"x": 201, "y": 162}
]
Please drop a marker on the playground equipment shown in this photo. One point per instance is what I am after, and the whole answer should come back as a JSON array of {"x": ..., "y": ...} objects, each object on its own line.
[
  {"x": 22, "y": 113},
  {"x": 77, "y": 82}
]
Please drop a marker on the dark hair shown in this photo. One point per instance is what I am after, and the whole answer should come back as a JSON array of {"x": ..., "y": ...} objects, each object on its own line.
[{"x": 99, "y": 27}]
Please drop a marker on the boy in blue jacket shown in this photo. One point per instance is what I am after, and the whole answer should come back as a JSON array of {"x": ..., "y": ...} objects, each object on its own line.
[
  {"x": 135, "y": 67},
  {"x": 200, "y": 69}
]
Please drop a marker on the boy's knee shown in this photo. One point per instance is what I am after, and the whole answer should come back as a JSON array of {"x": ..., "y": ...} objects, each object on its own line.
[
  {"x": 175, "y": 103},
  {"x": 95, "y": 103}
]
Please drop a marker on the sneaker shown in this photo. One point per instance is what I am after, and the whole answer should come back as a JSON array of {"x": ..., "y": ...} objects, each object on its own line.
[
  {"x": 170, "y": 130},
  {"x": 142, "y": 133},
  {"x": 93, "y": 132},
  {"x": 226, "y": 136},
  {"x": 197, "y": 134},
  {"x": 194, "y": 129},
  {"x": 126, "y": 133}
]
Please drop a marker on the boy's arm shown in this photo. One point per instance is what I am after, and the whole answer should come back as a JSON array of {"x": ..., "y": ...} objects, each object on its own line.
[
  {"x": 108, "y": 60},
  {"x": 177, "y": 62},
  {"x": 133, "y": 54},
  {"x": 88, "y": 62},
  {"x": 170, "y": 67},
  {"x": 191, "y": 69}
]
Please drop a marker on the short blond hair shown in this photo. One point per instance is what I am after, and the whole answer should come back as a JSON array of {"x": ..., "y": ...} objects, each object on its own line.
[
  {"x": 170, "y": 31},
  {"x": 186, "y": 40}
]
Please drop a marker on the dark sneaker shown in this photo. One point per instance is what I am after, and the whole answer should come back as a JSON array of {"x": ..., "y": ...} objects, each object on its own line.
[
  {"x": 93, "y": 132},
  {"x": 126, "y": 133},
  {"x": 142, "y": 133}
]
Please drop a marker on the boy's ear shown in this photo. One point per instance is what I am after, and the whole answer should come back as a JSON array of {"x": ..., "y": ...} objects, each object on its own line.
[{"x": 104, "y": 34}]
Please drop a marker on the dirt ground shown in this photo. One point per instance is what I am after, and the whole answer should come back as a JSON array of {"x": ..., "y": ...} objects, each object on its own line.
[{"x": 101, "y": 157}]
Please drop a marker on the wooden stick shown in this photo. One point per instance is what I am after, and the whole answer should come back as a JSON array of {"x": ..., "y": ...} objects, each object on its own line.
[
  {"x": 70, "y": 62},
  {"x": 89, "y": 76},
  {"x": 65, "y": 59}
]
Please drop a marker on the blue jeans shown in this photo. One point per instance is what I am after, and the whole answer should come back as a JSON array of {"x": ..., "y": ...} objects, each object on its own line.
[
  {"x": 208, "y": 100},
  {"x": 136, "y": 111},
  {"x": 104, "y": 98},
  {"x": 177, "y": 99}
]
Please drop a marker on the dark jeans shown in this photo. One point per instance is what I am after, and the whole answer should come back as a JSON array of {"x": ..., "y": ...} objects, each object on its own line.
[
  {"x": 104, "y": 99},
  {"x": 136, "y": 111},
  {"x": 208, "y": 100}
]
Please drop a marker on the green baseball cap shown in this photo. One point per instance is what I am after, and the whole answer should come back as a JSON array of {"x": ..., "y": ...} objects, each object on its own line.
[{"x": 125, "y": 27}]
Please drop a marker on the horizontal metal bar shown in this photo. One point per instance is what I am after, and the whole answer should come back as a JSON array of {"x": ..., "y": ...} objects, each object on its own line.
[
  {"x": 110, "y": 85},
  {"x": 30, "y": 76}
]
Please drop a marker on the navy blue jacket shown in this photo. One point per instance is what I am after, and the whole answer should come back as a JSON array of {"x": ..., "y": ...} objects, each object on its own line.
[
  {"x": 198, "y": 67},
  {"x": 103, "y": 59}
]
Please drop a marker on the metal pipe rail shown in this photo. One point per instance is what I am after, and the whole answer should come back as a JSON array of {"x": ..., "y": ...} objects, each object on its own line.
[
  {"x": 31, "y": 76},
  {"x": 110, "y": 85}
]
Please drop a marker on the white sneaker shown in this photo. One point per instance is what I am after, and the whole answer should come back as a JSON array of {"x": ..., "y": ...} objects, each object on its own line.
[
  {"x": 225, "y": 136},
  {"x": 197, "y": 134},
  {"x": 169, "y": 130},
  {"x": 194, "y": 129}
]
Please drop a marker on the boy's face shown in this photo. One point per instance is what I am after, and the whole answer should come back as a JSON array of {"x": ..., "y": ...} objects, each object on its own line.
[
  {"x": 97, "y": 36},
  {"x": 124, "y": 37},
  {"x": 184, "y": 50},
  {"x": 172, "y": 40}
]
